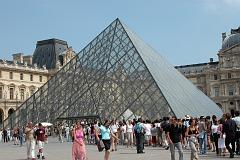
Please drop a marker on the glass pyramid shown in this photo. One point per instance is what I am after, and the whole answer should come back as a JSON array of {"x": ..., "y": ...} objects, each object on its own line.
[{"x": 116, "y": 73}]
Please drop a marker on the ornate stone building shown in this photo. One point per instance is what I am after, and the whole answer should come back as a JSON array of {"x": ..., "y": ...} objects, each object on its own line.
[
  {"x": 22, "y": 76},
  {"x": 220, "y": 80}
]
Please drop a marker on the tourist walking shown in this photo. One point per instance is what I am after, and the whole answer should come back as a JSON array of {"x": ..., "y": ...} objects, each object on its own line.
[
  {"x": 123, "y": 133},
  {"x": 174, "y": 134},
  {"x": 78, "y": 147},
  {"x": 60, "y": 133},
  {"x": 192, "y": 133},
  {"x": 139, "y": 135},
  {"x": 159, "y": 133},
  {"x": 237, "y": 120},
  {"x": 106, "y": 137},
  {"x": 5, "y": 137},
  {"x": 148, "y": 135},
  {"x": 165, "y": 126},
  {"x": 20, "y": 136},
  {"x": 30, "y": 141},
  {"x": 40, "y": 135},
  {"x": 215, "y": 135},
  {"x": 114, "y": 129},
  {"x": 229, "y": 128},
  {"x": 9, "y": 137},
  {"x": 202, "y": 136},
  {"x": 154, "y": 133},
  {"x": 67, "y": 130},
  {"x": 129, "y": 133},
  {"x": 15, "y": 136},
  {"x": 1, "y": 135},
  {"x": 221, "y": 139}
]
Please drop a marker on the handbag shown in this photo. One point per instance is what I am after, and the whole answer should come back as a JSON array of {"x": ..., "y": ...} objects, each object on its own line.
[{"x": 100, "y": 145}]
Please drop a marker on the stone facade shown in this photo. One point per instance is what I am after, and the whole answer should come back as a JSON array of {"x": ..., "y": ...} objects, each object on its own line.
[
  {"x": 19, "y": 79},
  {"x": 220, "y": 80},
  {"x": 17, "y": 83}
]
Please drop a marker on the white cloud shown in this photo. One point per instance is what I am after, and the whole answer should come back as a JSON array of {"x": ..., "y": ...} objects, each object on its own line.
[
  {"x": 216, "y": 5},
  {"x": 231, "y": 3}
]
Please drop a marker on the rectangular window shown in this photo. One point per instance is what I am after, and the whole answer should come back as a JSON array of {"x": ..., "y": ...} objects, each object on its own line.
[
  {"x": 215, "y": 77},
  {"x": 229, "y": 75},
  {"x": 0, "y": 74},
  {"x": 230, "y": 90},
  {"x": 11, "y": 93},
  {"x": 216, "y": 91},
  {"x": 10, "y": 75},
  {"x": 22, "y": 94},
  {"x": 40, "y": 78},
  {"x": 31, "y": 77},
  {"x": 21, "y": 76},
  {"x": 1, "y": 92}
]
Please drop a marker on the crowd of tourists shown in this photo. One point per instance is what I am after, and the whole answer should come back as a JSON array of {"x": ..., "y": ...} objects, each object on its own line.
[{"x": 200, "y": 135}]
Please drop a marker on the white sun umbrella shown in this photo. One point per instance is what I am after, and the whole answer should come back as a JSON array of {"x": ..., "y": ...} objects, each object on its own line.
[{"x": 46, "y": 124}]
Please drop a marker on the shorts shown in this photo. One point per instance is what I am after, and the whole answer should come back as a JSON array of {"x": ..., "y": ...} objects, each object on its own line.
[
  {"x": 40, "y": 144},
  {"x": 107, "y": 144},
  {"x": 148, "y": 137}
]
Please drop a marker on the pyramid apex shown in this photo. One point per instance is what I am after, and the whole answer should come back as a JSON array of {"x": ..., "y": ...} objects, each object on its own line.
[{"x": 118, "y": 20}]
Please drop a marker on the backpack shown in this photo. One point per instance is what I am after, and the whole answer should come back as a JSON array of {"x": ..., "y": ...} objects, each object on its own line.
[{"x": 138, "y": 128}]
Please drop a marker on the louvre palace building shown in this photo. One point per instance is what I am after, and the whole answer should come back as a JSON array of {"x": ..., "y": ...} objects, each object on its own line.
[
  {"x": 220, "y": 80},
  {"x": 25, "y": 74}
]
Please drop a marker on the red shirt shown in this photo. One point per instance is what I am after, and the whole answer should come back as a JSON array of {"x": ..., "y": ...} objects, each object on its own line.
[{"x": 40, "y": 133}]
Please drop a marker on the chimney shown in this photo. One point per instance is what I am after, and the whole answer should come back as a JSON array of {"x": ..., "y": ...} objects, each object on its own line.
[
  {"x": 224, "y": 35},
  {"x": 27, "y": 59},
  {"x": 211, "y": 60},
  {"x": 18, "y": 57}
]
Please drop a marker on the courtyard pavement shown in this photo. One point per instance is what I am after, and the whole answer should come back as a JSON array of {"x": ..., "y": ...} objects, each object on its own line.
[{"x": 62, "y": 151}]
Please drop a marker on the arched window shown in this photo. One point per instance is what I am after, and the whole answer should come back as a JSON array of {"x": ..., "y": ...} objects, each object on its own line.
[{"x": 10, "y": 111}]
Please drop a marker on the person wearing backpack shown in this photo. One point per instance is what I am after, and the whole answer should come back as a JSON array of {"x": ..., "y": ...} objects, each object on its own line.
[{"x": 139, "y": 134}]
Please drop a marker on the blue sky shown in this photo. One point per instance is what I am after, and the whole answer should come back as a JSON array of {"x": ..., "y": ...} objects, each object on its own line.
[{"x": 183, "y": 31}]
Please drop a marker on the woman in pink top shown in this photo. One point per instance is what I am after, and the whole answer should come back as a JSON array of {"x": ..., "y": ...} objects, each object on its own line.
[{"x": 78, "y": 148}]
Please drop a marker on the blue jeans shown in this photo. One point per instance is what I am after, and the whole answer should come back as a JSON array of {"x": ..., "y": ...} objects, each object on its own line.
[
  {"x": 21, "y": 140},
  {"x": 203, "y": 144},
  {"x": 172, "y": 150}
]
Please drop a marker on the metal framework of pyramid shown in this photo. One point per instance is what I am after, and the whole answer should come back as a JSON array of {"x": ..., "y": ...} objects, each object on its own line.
[{"x": 116, "y": 72}]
